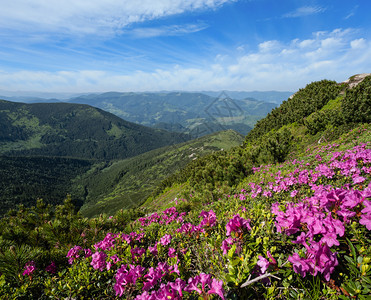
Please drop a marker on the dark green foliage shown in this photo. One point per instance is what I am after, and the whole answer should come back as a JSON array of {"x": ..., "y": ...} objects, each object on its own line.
[
  {"x": 213, "y": 173},
  {"x": 44, "y": 233},
  {"x": 305, "y": 102},
  {"x": 25, "y": 179},
  {"x": 357, "y": 103},
  {"x": 279, "y": 145}
]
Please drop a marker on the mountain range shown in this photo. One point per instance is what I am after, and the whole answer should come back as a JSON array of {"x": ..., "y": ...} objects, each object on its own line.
[
  {"x": 49, "y": 150},
  {"x": 95, "y": 155},
  {"x": 194, "y": 113}
]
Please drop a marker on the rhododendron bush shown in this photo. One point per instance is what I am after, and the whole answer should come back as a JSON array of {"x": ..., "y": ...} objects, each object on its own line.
[{"x": 300, "y": 229}]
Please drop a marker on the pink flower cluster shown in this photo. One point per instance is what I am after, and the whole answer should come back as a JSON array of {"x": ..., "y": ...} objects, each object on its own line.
[
  {"x": 353, "y": 163},
  {"x": 154, "y": 288},
  {"x": 131, "y": 238},
  {"x": 155, "y": 280},
  {"x": 125, "y": 277},
  {"x": 29, "y": 268},
  {"x": 264, "y": 263},
  {"x": 319, "y": 259},
  {"x": 166, "y": 217},
  {"x": 320, "y": 221},
  {"x": 75, "y": 252},
  {"x": 107, "y": 243},
  {"x": 237, "y": 225},
  {"x": 208, "y": 220},
  {"x": 99, "y": 260},
  {"x": 203, "y": 284}
]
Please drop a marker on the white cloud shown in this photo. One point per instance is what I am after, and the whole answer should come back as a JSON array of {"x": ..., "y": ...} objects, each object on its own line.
[
  {"x": 358, "y": 44},
  {"x": 268, "y": 46},
  {"x": 334, "y": 55},
  {"x": 149, "y": 32},
  {"x": 93, "y": 16},
  {"x": 351, "y": 13},
  {"x": 304, "y": 11},
  {"x": 306, "y": 43}
]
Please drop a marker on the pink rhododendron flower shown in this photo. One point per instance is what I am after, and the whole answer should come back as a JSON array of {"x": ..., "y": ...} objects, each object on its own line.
[
  {"x": 165, "y": 240},
  {"x": 358, "y": 179},
  {"x": 237, "y": 225},
  {"x": 192, "y": 285},
  {"x": 178, "y": 286},
  {"x": 73, "y": 254},
  {"x": 293, "y": 193},
  {"x": 300, "y": 265},
  {"x": 204, "y": 279},
  {"x": 107, "y": 243},
  {"x": 29, "y": 268},
  {"x": 366, "y": 215},
  {"x": 225, "y": 245},
  {"x": 172, "y": 252},
  {"x": 217, "y": 288},
  {"x": 126, "y": 277},
  {"x": 115, "y": 258},
  {"x": 88, "y": 253},
  {"x": 99, "y": 260},
  {"x": 153, "y": 249},
  {"x": 264, "y": 264},
  {"x": 152, "y": 277},
  {"x": 208, "y": 218}
]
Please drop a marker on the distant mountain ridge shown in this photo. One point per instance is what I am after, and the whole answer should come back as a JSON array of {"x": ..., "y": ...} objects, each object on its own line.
[
  {"x": 193, "y": 113},
  {"x": 75, "y": 130},
  {"x": 266, "y": 96},
  {"x": 180, "y": 111}
]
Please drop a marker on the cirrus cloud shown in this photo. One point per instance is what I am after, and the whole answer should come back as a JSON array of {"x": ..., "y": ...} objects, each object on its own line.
[
  {"x": 304, "y": 11},
  {"x": 93, "y": 16}
]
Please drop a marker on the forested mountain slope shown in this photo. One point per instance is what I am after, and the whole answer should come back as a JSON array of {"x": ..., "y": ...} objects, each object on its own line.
[
  {"x": 75, "y": 130},
  {"x": 125, "y": 184},
  {"x": 24, "y": 179}
]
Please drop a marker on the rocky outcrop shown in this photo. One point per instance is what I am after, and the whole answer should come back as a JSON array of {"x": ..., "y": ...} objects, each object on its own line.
[{"x": 355, "y": 80}]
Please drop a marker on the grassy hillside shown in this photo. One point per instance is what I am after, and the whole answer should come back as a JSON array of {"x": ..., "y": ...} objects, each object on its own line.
[
  {"x": 127, "y": 183},
  {"x": 73, "y": 130}
]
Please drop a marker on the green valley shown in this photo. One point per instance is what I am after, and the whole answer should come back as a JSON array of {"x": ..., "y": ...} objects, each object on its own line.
[{"x": 128, "y": 183}]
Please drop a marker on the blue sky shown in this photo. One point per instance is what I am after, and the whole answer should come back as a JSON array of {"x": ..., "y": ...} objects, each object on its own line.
[{"x": 153, "y": 45}]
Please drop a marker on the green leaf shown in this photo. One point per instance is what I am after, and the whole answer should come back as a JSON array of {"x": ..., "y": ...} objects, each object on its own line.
[{"x": 353, "y": 250}]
